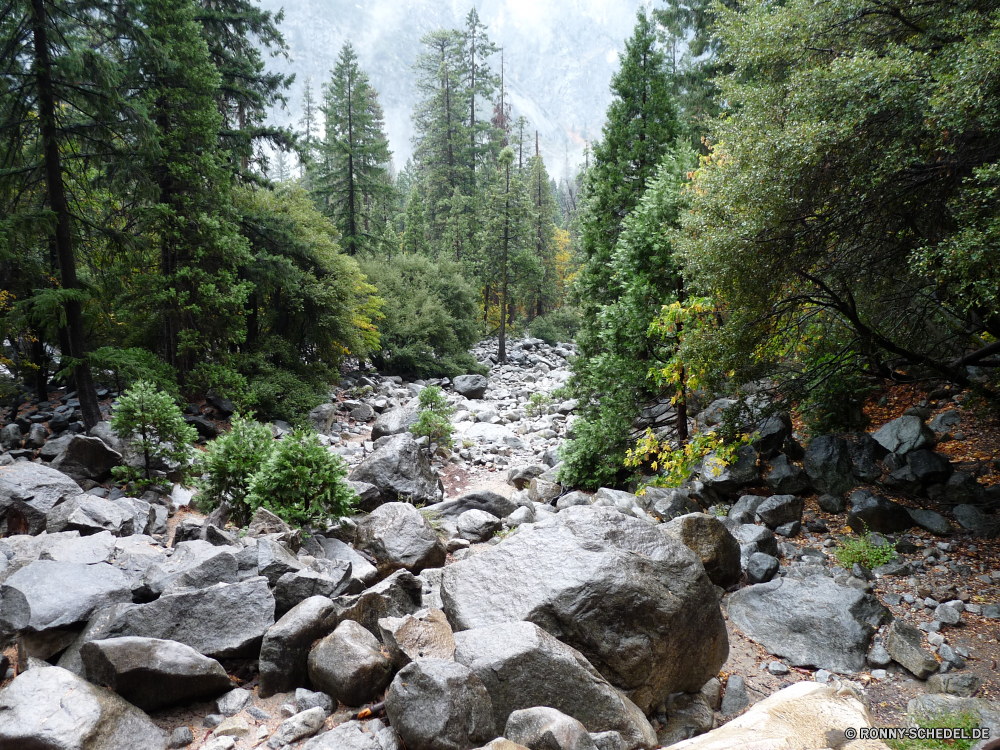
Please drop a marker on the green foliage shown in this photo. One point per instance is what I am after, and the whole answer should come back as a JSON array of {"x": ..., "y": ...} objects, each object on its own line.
[
  {"x": 861, "y": 549},
  {"x": 126, "y": 366},
  {"x": 281, "y": 393},
  {"x": 559, "y": 325},
  {"x": 434, "y": 419},
  {"x": 673, "y": 466},
  {"x": 537, "y": 403},
  {"x": 967, "y": 721},
  {"x": 302, "y": 482},
  {"x": 223, "y": 380},
  {"x": 230, "y": 461},
  {"x": 432, "y": 321},
  {"x": 152, "y": 429}
]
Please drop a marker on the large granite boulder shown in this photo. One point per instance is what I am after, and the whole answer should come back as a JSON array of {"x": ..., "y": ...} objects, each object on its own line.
[
  {"x": 726, "y": 478},
  {"x": 424, "y": 634},
  {"x": 905, "y": 434},
  {"x": 398, "y": 595},
  {"x": 284, "y": 652},
  {"x": 544, "y": 728},
  {"x": 634, "y": 601},
  {"x": 717, "y": 549},
  {"x": 870, "y": 512},
  {"x": 810, "y": 622},
  {"x": 32, "y": 490},
  {"x": 349, "y": 666},
  {"x": 395, "y": 421},
  {"x": 89, "y": 514},
  {"x": 828, "y": 464},
  {"x": 470, "y": 386},
  {"x": 151, "y": 673},
  {"x": 86, "y": 458},
  {"x": 485, "y": 500},
  {"x": 197, "y": 564},
  {"x": 50, "y": 708},
  {"x": 522, "y": 666},
  {"x": 399, "y": 537},
  {"x": 401, "y": 471}
]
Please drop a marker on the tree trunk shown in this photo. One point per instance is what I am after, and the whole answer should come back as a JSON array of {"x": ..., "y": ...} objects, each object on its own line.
[
  {"x": 89, "y": 406},
  {"x": 502, "y": 348}
]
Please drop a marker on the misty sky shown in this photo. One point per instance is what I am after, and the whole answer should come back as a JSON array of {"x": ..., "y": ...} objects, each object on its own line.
[{"x": 560, "y": 56}]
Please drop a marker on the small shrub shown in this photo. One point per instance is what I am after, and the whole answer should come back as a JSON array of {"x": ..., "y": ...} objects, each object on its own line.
[
  {"x": 861, "y": 549},
  {"x": 967, "y": 721},
  {"x": 434, "y": 419},
  {"x": 278, "y": 393},
  {"x": 221, "y": 379},
  {"x": 151, "y": 428},
  {"x": 537, "y": 403},
  {"x": 558, "y": 325},
  {"x": 302, "y": 482},
  {"x": 230, "y": 461},
  {"x": 127, "y": 366}
]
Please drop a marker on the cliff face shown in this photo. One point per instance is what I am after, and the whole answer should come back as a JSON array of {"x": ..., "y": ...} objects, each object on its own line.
[{"x": 560, "y": 56}]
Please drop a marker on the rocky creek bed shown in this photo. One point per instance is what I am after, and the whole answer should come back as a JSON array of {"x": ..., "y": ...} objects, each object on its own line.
[{"x": 478, "y": 602}]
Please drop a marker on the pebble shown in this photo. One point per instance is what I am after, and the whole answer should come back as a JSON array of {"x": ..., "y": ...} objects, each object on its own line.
[
  {"x": 258, "y": 714},
  {"x": 777, "y": 668},
  {"x": 822, "y": 675},
  {"x": 880, "y": 674}
]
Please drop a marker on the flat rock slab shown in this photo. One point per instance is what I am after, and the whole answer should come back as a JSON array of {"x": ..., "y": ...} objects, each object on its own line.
[
  {"x": 634, "y": 601},
  {"x": 47, "y": 594},
  {"x": 810, "y": 622},
  {"x": 52, "y": 709}
]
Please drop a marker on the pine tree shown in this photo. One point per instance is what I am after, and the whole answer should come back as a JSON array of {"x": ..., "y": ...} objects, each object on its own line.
[
  {"x": 543, "y": 293},
  {"x": 352, "y": 175},
  {"x": 481, "y": 84},
  {"x": 307, "y": 143},
  {"x": 414, "y": 238}
]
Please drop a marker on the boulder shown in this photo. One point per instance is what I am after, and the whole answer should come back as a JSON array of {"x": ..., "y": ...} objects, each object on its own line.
[
  {"x": 195, "y": 565},
  {"x": 50, "y": 708},
  {"x": 485, "y": 500},
  {"x": 401, "y": 471},
  {"x": 828, "y": 465},
  {"x": 520, "y": 476},
  {"x": 436, "y": 704},
  {"x": 70, "y": 547},
  {"x": 150, "y": 673},
  {"x": 666, "y": 504},
  {"x": 363, "y": 573},
  {"x": 294, "y": 728},
  {"x": 770, "y": 435},
  {"x": 786, "y": 478},
  {"x": 485, "y": 432},
  {"x": 930, "y": 520},
  {"x": 726, "y": 479},
  {"x": 870, "y": 512},
  {"x": 778, "y": 510},
  {"x": 470, "y": 386},
  {"x": 544, "y": 728},
  {"x": 522, "y": 666},
  {"x": 295, "y": 587},
  {"x": 865, "y": 455},
  {"x": 803, "y": 716},
  {"x": 323, "y": 417},
  {"x": 274, "y": 560},
  {"x": 284, "y": 652},
  {"x": 960, "y": 489},
  {"x": 46, "y": 595},
  {"x": 398, "y": 595},
  {"x": 905, "y": 645},
  {"x": 86, "y": 458},
  {"x": 395, "y": 421},
  {"x": 425, "y": 634},
  {"x": 478, "y": 525},
  {"x": 688, "y": 715},
  {"x": 642, "y": 608},
  {"x": 905, "y": 434},
  {"x": 744, "y": 510},
  {"x": 350, "y": 735},
  {"x": 717, "y": 549},
  {"x": 753, "y": 539},
  {"x": 90, "y": 514},
  {"x": 11, "y": 437},
  {"x": 349, "y": 665},
  {"x": 810, "y": 622},
  {"x": 33, "y": 490},
  {"x": 543, "y": 491},
  {"x": 831, "y": 503},
  {"x": 761, "y": 568},
  {"x": 970, "y": 517},
  {"x": 928, "y": 467},
  {"x": 265, "y": 522},
  {"x": 399, "y": 537}
]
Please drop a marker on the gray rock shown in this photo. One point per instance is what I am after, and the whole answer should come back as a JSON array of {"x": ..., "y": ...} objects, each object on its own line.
[
  {"x": 905, "y": 434},
  {"x": 726, "y": 479},
  {"x": 544, "y": 728},
  {"x": 771, "y": 434},
  {"x": 86, "y": 458},
  {"x": 196, "y": 565},
  {"x": 870, "y": 512},
  {"x": 946, "y": 420},
  {"x": 296, "y": 587},
  {"x": 828, "y": 465},
  {"x": 52, "y": 709},
  {"x": 960, "y": 489},
  {"x": 294, "y": 728},
  {"x": 11, "y": 437},
  {"x": 232, "y": 702},
  {"x": 969, "y": 517},
  {"x": 151, "y": 673},
  {"x": 478, "y": 525},
  {"x": 37, "y": 435},
  {"x": 717, "y": 549},
  {"x": 436, "y": 704},
  {"x": 754, "y": 538},
  {"x": 878, "y": 656},
  {"x": 90, "y": 515},
  {"x": 574, "y": 498},
  {"x": 736, "y": 697},
  {"x": 666, "y": 504},
  {"x": 962, "y": 684},
  {"x": 363, "y": 573},
  {"x": 787, "y": 478},
  {"x": 832, "y": 503},
  {"x": 930, "y": 520},
  {"x": 425, "y": 634},
  {"x": 928, "y": 467},
  {"x": 362, "y": 413},
  {"x": 181, "y": 737},
  {"x": 347, "y": 736},
  {"x": 323, "y": 417},
  {"x": 395, "y": 421},
  {"x": 926, "y": 709},
  {"x": 349, "y": 665},
  {"x": 369, "y": 495},
  {"x": 33, "y": 489},
  {"x": 947, "y": 615},
  {"x": 905, "y": 645},
  {"x": 778, "y": 510},
  {"x": 744, "y": 510},
  {"x": 399, "y": 537},
  {"x": 397, "y": 596},
  {"x": 273, "y": 560},
  {"x": 401, "y": 471},
  {"x": 306, "y": 699},
  {"x": 470, "y": 386},
  {"x": 69, "y": 547},
  {"x": 284, "y": 652},
  {"x": 761, "y": 567},
  {"x": 810, "y": 622},
  {"x": 484, "y": 500},
  {"x": 521, "y": 476},
  {"x": 865, "y": 454},
  {"x": 522, "y": 666},
  {"x": 618, "y": 580},
  {"x": 46, "y": 595},
  {"x": 543, "y": 491}
]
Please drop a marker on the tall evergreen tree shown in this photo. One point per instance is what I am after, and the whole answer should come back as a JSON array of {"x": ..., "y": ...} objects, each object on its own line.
[
  {"x": 542, "y": 294},
  {"x": 481, "y": 84},
  {"x": 352, "y": 175}
]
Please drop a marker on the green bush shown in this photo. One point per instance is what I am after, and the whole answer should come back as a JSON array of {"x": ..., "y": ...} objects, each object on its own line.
[
  {"x": 230, "y": 461},
  {"x": 432, "y": 318},
  {"x": 558, "y": 325},
  {"x": 222, "y": 379},
  {"x": 151, "y": 428},
  {"x": 537, "y": 403},
  {"x": 126, "y": 366},
  {"x": 861, "y": 549},
  {"x": 966, "y": 720},
  {"x": 279, "y": 393},
  {"x": 434, "y": 419},
  {"x": 302, "y": 482}
]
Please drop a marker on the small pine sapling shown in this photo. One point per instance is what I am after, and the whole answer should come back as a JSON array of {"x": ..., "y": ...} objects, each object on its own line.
[{"x": 230, "y": 461}]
